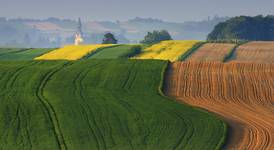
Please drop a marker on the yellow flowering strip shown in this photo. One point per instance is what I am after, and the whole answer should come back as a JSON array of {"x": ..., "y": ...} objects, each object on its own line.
[
  {"x": 167, "y": 50},
  {"x": 71, "y": 52}
]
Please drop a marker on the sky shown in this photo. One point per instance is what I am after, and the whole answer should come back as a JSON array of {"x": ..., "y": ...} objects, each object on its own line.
[{"x": 112, "y": 10}]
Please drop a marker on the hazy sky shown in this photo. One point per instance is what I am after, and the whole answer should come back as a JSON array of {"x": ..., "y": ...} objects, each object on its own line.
[{"x": 169, "y": 10}]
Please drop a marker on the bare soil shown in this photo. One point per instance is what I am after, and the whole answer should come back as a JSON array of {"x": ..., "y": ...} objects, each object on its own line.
[
  {"x": 211, "y": 52},
  {"x": 256, "y": 52},
  {"x": 241, "y": 93}
]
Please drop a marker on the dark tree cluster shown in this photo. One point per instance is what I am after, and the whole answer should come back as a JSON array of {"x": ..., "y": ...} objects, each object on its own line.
[
  {"x": 156, "y": 37},
  {"x": 245, "y": 28},
  {"x": 109, "y": 39}
]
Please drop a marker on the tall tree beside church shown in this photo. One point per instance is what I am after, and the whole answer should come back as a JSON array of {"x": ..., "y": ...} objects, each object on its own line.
[{"x": 109, "y": 39}]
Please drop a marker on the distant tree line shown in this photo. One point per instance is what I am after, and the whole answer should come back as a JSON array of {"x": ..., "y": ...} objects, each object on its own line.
[
  {"x": 244, "y": 28},
  {"x": 150, "y": 38}
]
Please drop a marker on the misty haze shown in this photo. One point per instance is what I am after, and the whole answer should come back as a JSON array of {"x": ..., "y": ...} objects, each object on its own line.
[{"x": 136, "y": 75}]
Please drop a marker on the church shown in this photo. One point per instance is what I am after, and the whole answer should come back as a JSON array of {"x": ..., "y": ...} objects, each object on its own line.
[{"x": 79, "y": 34}]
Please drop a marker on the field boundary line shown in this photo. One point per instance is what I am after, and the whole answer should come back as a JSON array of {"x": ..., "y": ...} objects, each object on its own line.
[
  {"x": 50, "y": 50},
  {"x": 90, "y": 54},
  {"x": 162, "y": 90},
  {"x": 132, "y": 53},
  {"x": 190, "y": 51},
  {"x": 228, "y": 57}
]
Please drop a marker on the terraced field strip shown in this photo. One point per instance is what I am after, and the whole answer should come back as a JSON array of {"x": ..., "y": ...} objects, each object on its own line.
[
  {"x": 98, "y": 104},
  {"x": 72, "y": 52},
  {"x": 242, "y": 93},
  {"x": 211, "y": 52},
  {"x": 257, "y": 52},
  {"x": 22, "y": 54},
  {"x": 119, "y": 51},
  {"x": 167, "y": 50}
]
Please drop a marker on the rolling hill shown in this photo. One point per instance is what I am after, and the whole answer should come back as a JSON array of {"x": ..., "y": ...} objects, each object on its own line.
[
  {"x": 54, "y": 32},
  {"x": 166, "y": 50},
  {"x": 117, "y": 52},
  {"x": 242, "y": 93},
  {"x": 111, "y": 98},
  {"x": 257, "y": 28},
  {"x": 255, "y": 52},
  {"x": 72, "y": 52},
  {"x": 211, "y": 52},
  {"x": 171, "y": 50},
  {"x": 22, "y": 54},
  {"x": 98, "y": 104}
]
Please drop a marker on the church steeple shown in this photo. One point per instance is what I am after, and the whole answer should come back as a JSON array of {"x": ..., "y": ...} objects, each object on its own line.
[
  {"x": 79, "y": 27},
  {"x": 78, "y": 36}
]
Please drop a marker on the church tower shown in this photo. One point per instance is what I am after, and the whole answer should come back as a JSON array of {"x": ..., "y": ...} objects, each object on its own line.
[
  {"x": 78, "y": 36},
  {"x": 79, "y": 27}
]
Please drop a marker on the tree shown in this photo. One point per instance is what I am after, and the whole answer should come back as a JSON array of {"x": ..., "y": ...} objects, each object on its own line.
[
  {"x": 109, "y": 39},
  {"x": 244, "y": 28},
  {"x": 156, "y": 37}
]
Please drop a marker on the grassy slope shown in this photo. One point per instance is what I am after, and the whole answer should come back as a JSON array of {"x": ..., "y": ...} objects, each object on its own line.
[
  {"x": 24, "y": 123},
  {"x": 120, "y": 51},
  {"x": 22, "y": 54},
  {"x": 4, "y": 51},
  {"x": 97, "y": 104}
]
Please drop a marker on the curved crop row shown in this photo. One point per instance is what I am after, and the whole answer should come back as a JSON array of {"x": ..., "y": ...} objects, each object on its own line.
[
  {"x": 257, "y": 52},
  {"x": 71, "y": 52},
  {"x": 24, "y": 122},
  {"x": 97, "y": 104},
  {"x": 167, "y": 50},
  {"x": 211, "y": 52},
  {"x": 241, "y": 93}
]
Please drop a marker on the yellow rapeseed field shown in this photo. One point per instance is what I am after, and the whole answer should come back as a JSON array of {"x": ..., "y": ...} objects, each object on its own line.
[
  {"x": 167, "y": 50},
  {"x": 71, "y": 52}
]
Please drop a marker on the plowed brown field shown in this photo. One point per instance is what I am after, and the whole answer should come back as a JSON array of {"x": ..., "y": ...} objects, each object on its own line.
[
  {"x": 211, "y": 52},
  {"x": 241, "y": 93},
  {"x": 259, "y": 52}
]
